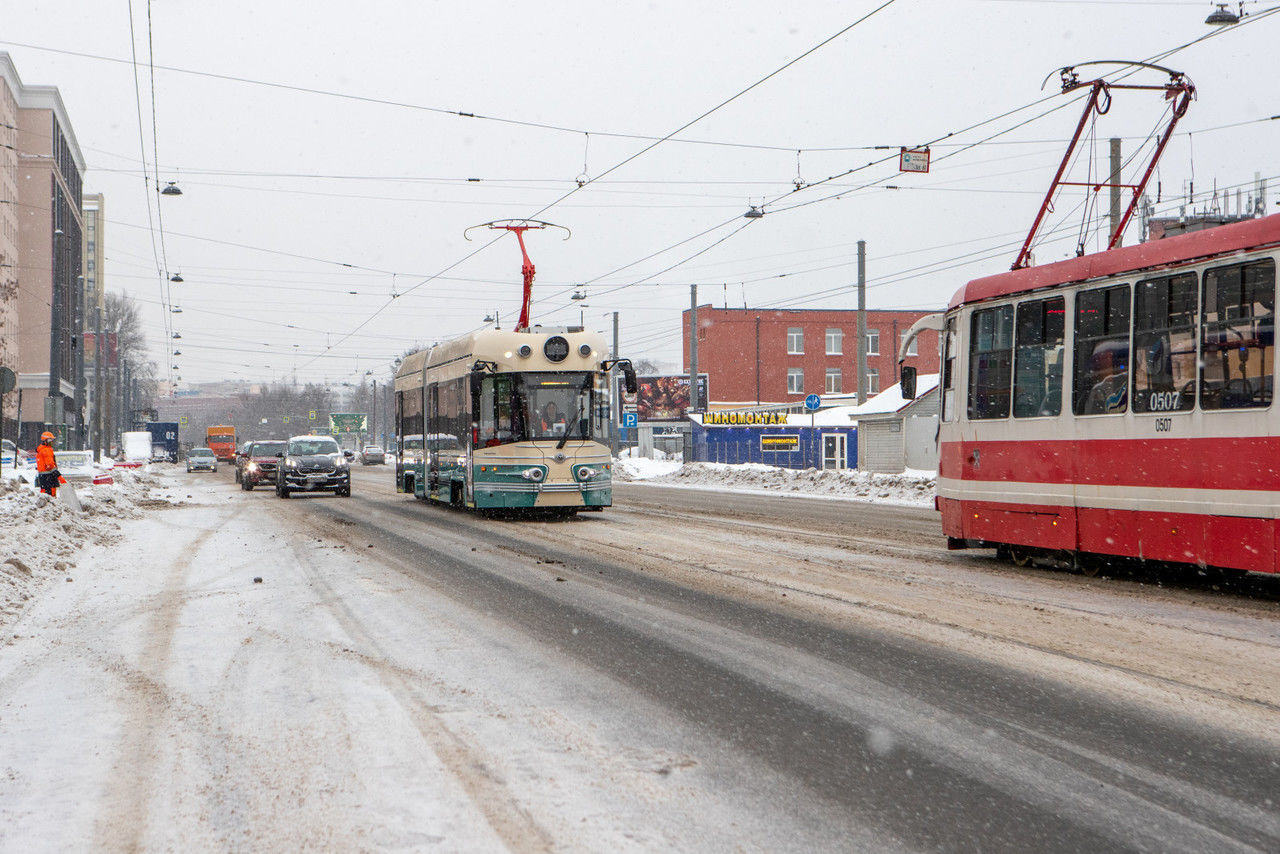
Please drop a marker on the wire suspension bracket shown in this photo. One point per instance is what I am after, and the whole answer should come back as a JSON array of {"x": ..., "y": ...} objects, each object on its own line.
[
  {"x": 1179, "y": 90},
  {"x": 527, "y": 270}
]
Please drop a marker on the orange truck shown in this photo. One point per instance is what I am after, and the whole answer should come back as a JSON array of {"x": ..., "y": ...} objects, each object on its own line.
[{"x": 222, "y": 441}]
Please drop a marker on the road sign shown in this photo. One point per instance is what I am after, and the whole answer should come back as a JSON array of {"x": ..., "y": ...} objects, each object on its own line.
[
  {"x": 630, "y": 419},
  {"x": 285, "y": 420},
  {"x": 348, "y": 422},
  {"x": 913, "y": 160},
  {"x": 311, "y": 414},
  {"x": 813, "y": 403}
]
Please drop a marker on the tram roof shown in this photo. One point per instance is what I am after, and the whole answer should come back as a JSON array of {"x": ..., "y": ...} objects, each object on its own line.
[{"x": 1224, "y": 239}]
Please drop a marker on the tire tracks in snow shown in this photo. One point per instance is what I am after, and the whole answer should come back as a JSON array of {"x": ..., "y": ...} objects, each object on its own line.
[
  {"x": 122, "y": 820},
  {"x": 508, "y": 819}
]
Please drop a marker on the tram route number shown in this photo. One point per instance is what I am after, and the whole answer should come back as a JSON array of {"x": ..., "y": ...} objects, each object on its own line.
[{"x": 1164, "y": 425}]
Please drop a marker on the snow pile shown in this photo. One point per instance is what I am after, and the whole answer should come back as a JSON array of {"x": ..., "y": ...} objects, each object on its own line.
[
  {"x": 911, "y": 488},
  {"x": 40, "y": 536},
  {"x": 642, "y": 468}
]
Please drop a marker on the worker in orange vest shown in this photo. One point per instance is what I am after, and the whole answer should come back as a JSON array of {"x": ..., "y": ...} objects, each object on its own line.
[{"x": 48, "y": 476}]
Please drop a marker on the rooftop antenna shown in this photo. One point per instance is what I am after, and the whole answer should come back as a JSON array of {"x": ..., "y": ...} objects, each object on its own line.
[
  {"x": 1178, "y": 90},
  {"x": 520, "y": 226}
]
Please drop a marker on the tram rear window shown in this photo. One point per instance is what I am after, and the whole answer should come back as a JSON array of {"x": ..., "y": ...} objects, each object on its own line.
[
  {"x": 990, "y": 362},
  {"x": 1102, "y": 351},
  {"x": 1237, "y": 336}
]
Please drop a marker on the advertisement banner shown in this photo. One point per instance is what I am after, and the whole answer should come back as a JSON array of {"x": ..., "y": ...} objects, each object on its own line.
[
  {"x": 348, "y": 422},
  {"x": 662, "y": 398}
]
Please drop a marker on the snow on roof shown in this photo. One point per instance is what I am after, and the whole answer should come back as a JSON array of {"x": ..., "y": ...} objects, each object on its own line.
[{"x": 889, "y": 400}]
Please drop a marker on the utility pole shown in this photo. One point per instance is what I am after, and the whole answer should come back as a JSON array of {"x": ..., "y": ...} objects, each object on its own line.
[
  {"x": 615, "y": 403},
  {"x": 862, "y": 322},
  {"x": 693, "y": 348},
  {"x": 1115, "y": 191},
  {"x": 97, "y": 384}
]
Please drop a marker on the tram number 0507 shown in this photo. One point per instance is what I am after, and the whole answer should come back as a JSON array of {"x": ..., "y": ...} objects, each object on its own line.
[{"x": 1164, "y": 425}]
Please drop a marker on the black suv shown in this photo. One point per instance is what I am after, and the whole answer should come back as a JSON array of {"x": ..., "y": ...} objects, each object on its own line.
[{"x": 314, "y": 463}]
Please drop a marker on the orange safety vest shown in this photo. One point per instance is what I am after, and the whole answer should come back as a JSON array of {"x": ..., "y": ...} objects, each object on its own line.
[{"x": 44, "y": 459}]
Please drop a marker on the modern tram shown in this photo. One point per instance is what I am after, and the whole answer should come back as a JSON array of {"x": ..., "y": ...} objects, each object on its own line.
[
  {"x": 514, "y": 420},
  {"x": 1118, "y": 404}
]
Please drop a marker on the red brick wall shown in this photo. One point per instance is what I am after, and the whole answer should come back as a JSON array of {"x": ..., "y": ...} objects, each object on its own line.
[{"x": 727, "y": 350}]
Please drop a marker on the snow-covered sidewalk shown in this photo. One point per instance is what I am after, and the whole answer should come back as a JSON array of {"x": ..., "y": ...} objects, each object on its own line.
[
  {"x": 910, "y": 489},
  {"x": 41, "y": 538}
]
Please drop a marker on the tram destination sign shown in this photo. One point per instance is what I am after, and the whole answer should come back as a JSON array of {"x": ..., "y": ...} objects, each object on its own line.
[{"x": 348, "y": 422}]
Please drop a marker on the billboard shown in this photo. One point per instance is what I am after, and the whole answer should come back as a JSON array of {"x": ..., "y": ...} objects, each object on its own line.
[
  {"x": 662, "y": 398},
  {"x": 348, "y": 422}
]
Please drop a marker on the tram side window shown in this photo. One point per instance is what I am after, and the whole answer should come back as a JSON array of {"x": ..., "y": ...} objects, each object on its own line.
[
  {"x": 949, "y": 371},
  {"x": 1238, "y": 336},
  {"x": 1102, "y": 351},
  {"x": 497, "y": 426},
  {"x": 990, "y": 362},
  {"x": 1037, "y": 378},
  {"x": 1164, "y": 344}
]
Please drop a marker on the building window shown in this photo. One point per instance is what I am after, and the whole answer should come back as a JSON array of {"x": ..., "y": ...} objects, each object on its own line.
[
  {"x": 795, "y": 341},
  {"x": 873, "y": 380},
  {"x": 873, "y": 342},
  {"x": 795, "y": 380},
  {"x": 835, "y": 381},
  {"x": 835, "y": 342},
  {"x": 911, "y": 348}
]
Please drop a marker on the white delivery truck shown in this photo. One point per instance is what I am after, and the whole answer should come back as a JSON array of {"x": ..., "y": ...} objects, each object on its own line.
[{"x": 137, "y": 446}]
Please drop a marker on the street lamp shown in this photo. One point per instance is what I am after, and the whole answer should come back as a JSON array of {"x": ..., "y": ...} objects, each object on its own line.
[
  {"x": 177, "y": 277},
  {"x": 171, "y": 189},
  {"x": 1222, "y": 17}
]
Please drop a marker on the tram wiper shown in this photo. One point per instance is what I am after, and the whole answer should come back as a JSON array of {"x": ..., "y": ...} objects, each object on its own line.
[{"x": 577, "y": 419}]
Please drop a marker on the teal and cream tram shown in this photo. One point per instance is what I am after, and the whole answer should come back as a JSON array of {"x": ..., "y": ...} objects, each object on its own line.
[{"x": 509, "y": 420}]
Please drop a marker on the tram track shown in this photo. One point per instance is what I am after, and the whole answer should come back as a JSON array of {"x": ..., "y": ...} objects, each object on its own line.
[{"x": 437, "y": 549}]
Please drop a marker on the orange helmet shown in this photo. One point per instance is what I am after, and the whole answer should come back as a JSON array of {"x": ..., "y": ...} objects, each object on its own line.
[{"x": 47, "y": 435}]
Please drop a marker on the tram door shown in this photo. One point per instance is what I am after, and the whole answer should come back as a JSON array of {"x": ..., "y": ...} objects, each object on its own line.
[{"x": 835, "y": 453}]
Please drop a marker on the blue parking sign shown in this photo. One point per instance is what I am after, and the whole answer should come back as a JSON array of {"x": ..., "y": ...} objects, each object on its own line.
[{"x": 630, "y": 419}]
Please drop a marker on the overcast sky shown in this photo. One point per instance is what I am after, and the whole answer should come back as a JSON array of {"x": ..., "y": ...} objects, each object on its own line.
[{"x": 282, "y": 187}]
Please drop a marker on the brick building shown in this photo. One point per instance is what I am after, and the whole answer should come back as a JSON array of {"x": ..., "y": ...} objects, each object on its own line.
[
  {"x": 780, "y": 355},
  {"x": 41, "y": 310}
]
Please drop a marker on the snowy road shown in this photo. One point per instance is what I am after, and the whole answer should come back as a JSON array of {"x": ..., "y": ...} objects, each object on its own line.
[{"x": 687, "y": 671}]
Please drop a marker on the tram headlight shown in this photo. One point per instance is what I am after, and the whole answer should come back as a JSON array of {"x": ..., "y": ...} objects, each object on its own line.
[
  {"x": 533, "y": 473},
  {"x": 525, "y": 351}
]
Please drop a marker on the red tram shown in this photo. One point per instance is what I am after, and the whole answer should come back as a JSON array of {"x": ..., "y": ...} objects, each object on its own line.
[{"x": 1118, "y": 404}]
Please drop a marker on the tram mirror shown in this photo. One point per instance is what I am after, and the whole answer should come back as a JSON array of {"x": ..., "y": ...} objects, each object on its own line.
[
  {"x": 908, "y": 382},
  {"x": 629, "y": 378}
]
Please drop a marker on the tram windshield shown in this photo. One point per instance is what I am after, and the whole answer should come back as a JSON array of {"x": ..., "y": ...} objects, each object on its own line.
[{"x": 519, "y": 407}]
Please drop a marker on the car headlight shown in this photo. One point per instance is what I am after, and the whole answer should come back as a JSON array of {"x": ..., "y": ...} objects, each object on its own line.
[
  {"x": 343, "y": 463},
  {"x": 290, "y": 462},
  {"x": 251, "y": 467}
]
